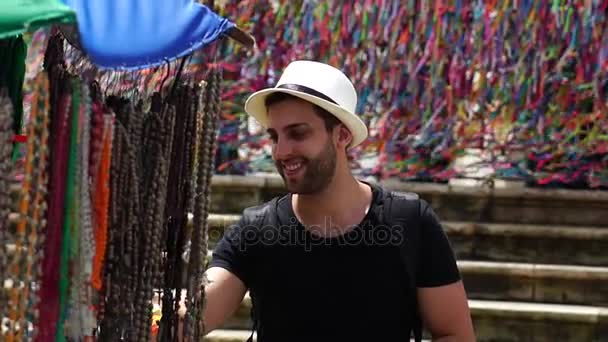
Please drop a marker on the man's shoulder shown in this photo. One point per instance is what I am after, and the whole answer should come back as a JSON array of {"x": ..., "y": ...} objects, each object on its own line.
[
  {"x": 404, "y": 195},
  {"x": 399, "y": 203},
  {"x": 386, "y": 192},
  {"x": 259, "y": 211}
]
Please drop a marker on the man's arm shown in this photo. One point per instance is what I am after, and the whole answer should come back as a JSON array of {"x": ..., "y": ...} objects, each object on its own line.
[
  {"x": 223, "y": 293},
  {"x": 442, "y": 298},
  {"x": 228, "y": 275},
  {"x": 445, "y": 313}
]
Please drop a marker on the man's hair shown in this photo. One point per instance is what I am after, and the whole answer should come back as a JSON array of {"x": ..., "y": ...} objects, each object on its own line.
[{"x": 328, "y": 118}]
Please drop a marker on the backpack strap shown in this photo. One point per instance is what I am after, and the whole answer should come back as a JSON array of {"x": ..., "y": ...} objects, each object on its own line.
[{"x": 404, "y": 209}]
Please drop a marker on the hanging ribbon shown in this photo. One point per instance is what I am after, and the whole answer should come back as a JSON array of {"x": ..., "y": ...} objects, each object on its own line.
[{"x": 513, "y": 74}]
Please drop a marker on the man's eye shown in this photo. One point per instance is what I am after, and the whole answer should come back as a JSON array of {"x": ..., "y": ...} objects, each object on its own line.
[{"x": 297, "y": 135}]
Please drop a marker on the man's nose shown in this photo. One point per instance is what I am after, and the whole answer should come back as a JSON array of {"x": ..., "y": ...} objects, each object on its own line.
[{"x": 282, "y": 149}]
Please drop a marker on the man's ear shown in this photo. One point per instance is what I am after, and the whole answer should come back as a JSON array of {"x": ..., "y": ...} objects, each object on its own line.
[{"x": 344, "y": 136}]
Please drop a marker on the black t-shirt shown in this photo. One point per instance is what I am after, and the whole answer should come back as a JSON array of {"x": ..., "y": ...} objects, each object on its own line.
[{"x": 346, "y": 288}]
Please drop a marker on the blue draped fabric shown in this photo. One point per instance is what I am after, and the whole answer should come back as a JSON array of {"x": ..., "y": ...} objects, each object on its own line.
[{"x": 135, "y": 34}]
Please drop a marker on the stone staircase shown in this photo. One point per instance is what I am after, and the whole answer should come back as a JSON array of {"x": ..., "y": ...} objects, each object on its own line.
[{"x": 534, "y": 261}]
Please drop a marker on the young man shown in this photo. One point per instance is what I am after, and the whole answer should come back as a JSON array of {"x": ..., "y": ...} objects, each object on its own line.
[{"x": 328, "y": 267}]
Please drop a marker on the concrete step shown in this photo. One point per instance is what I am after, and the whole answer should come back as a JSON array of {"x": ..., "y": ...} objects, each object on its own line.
[
  {"x": 510, "y": 321},
  {"x": 519, "y": 321},
  {"x": 231, "y": 194},
  {"x": 224, "y": 335},
  {"x": 537, "y": 283},
  {"x": 570, "y": 245},
  {"x": 560, "y": 284},
  {"x": 547, "y": 244}
]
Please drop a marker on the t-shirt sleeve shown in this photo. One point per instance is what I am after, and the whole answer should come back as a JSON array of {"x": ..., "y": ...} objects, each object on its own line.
[
  {"x": 437, "y": 262},
  {"x": 234, "y": 251}
]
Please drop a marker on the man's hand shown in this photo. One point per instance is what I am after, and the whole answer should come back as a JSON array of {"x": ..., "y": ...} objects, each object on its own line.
[
  {"x": 445, "y": 313},
  {"x": 223, "y": 295}
]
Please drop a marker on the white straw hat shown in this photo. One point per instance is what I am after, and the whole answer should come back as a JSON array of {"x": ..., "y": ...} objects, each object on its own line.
[{"x": 320, "y": 84}]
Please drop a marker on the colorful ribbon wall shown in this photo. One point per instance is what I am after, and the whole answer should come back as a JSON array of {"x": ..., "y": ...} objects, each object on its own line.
[{"x": 522, "y": 83}]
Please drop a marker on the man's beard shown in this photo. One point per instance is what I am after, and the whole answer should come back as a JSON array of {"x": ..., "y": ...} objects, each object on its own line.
[{"x": 318, "y": 173}]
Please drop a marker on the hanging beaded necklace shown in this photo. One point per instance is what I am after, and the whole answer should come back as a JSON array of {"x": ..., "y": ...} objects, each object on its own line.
[
  {"x": 195, "y": 296},
  {"x": 87, "y": 239},
  {"x": 81, "y": 319},
  {"x": 117, "y": 315},
  {"x": 6, "y": 134},
  {"x": 141, "y": 151},
  {"x": 24, "y": 263},
  {"x": 101, "y": 203},
  {"x": 49, "y": 288},
  {"x": 39, "y": 189},
  {"x": 109, "y": 313},
  {"x": 180, "y": 192}
]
